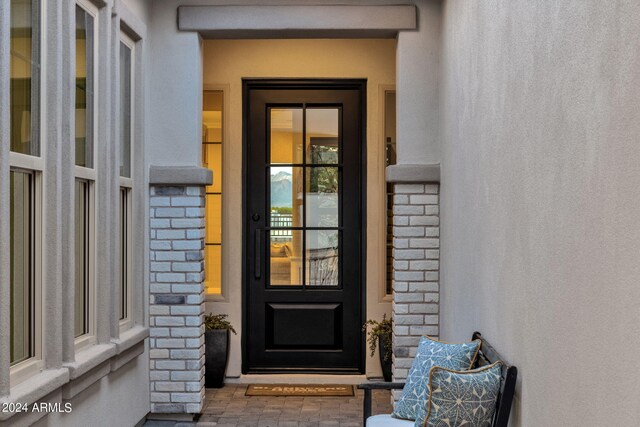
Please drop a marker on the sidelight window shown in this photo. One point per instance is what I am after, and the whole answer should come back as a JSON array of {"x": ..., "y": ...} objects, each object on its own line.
[
  {"x": 212, "y": 140},
  {"x": 390, "y": 149}
]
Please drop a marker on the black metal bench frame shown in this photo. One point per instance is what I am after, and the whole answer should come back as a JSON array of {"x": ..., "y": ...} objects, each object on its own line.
[{"x": 486, "y": 356}]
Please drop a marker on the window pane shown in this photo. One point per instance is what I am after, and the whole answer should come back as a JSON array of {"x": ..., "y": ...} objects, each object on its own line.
[
  {"x": 322, "y": 135},
  {"x": 214, "y": 218},
  {"x": 390, "y": 126},
  {"x": 124, "y": 252},
  {"x": 125, "y": 110},
  {"x": 285, "y": 254},
  {"x": 22, "y": 266},
  {"x": 84, "y": 88},
  {"x": 322, "y": 257},
  {"x": 322, "y": 196},
  {"x": 213, "y": 269},
  {"x": 212, "y": 116},
  {"x": 25, "y": 76},
  {"x": 213, "y": 160},
  {"x": 81, "y": 226},
  {"x": 286, "y": 194},
  {"x": 286, "y": 135}
]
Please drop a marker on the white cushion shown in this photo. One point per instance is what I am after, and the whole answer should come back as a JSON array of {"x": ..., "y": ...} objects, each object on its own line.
[{"x": 387, "y": 421}]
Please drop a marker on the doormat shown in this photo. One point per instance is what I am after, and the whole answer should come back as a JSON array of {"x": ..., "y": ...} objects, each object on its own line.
[{"x": 299, "y": 390}]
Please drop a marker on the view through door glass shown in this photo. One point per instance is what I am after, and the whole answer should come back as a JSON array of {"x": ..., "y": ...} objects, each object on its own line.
[
  {"x": 304, "y": 201},
  {"x": 304, "y": 219}
]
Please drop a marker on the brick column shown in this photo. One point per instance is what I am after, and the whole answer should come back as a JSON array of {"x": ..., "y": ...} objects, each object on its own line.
[
  {"x": 177, "y": 299},
  {"x": 416, "y": 254}
]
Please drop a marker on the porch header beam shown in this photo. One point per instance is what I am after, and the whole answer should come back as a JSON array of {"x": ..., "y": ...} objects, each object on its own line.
[{"x": 331, "y": 21}]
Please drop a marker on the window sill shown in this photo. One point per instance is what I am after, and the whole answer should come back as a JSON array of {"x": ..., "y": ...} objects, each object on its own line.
[
  {"x": 89, "y": 358},
  {"x": 84, "y": 342},
  {"x": 214, "y": 298},
  {"x": 130, "y": 338},
  {"x": 35, "y": 388},
  {"x": 25, "y": 370}
]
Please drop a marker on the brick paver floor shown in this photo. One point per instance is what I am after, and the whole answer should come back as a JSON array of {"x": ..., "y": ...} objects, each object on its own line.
[{"x": 229, "y": 407}]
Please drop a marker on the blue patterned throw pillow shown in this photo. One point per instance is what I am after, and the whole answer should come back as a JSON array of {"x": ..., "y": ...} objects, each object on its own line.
[
  {"x": 461, "y": 398},
  {"x": 431, "y": 353}
]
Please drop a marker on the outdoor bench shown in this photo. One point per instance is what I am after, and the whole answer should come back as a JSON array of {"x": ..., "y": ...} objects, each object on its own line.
[{"x": 486, "y": 356}]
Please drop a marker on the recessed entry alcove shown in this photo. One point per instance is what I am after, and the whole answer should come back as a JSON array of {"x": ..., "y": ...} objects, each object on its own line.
[{"x": 321, "y": 49}]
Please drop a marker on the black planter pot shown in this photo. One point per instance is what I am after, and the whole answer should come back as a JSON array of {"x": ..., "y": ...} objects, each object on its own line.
[
  {"x": 386, "y": 365},
  {"x": 216, "y": 343}
]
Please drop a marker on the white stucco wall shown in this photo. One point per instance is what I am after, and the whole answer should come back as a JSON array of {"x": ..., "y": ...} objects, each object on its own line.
[
  {"x": 540, "y": 207},
  {"x": 226, "y": 62},
  {"x": 119, "y": 399},
  {"x": 417, "y": 75},
  {"x": 139, "y": 8}
]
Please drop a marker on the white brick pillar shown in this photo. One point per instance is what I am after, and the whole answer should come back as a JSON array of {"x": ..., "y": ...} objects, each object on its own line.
[
  {"x": 177, "y": 299},
  {"x": 416, "y": 255}
]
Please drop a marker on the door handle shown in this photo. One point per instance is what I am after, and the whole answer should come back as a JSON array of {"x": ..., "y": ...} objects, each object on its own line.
[{"x": 257, "y": 267}]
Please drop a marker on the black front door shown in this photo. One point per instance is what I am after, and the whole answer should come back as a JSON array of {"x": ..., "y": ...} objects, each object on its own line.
[{"x": 303, "y": 228}]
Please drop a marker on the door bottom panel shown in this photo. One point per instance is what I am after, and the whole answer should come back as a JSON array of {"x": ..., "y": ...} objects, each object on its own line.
[{"x": 293, "y": 326}]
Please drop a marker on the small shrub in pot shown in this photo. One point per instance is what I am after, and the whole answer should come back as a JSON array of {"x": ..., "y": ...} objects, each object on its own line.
[
  {"x": 380, "y": 335},
  {"x": 216, "y": 341}
]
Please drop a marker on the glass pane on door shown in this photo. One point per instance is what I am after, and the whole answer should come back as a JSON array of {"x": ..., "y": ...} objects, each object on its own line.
[
  {"x": 286, "y": 198},
  {"x": 321, "y": 257},
  {"x": 285, "y": 257},
  {"x": 286, "y": 135},
  {"x": 322, "y": 135},
  {"x": 322, "y": 196}
]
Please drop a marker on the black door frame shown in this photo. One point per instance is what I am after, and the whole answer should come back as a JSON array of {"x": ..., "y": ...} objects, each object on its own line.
[{"x": 288, "y": 83}]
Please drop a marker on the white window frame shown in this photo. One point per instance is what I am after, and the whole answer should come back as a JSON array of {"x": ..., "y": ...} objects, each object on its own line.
[
  {"x": 21, "y": 371},
  {"x": 32, "y": 366},
  {"x": 127, "y": 183},
  {"x": 127, "y": 322},
  {"x": 90, "y": 176},
  {"x": 89, "y": 338}
]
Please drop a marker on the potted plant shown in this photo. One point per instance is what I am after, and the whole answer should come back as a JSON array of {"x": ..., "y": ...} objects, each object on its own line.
[
  {"x": 380, "y": 335},
  {"x": 216, "y": 341}
]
